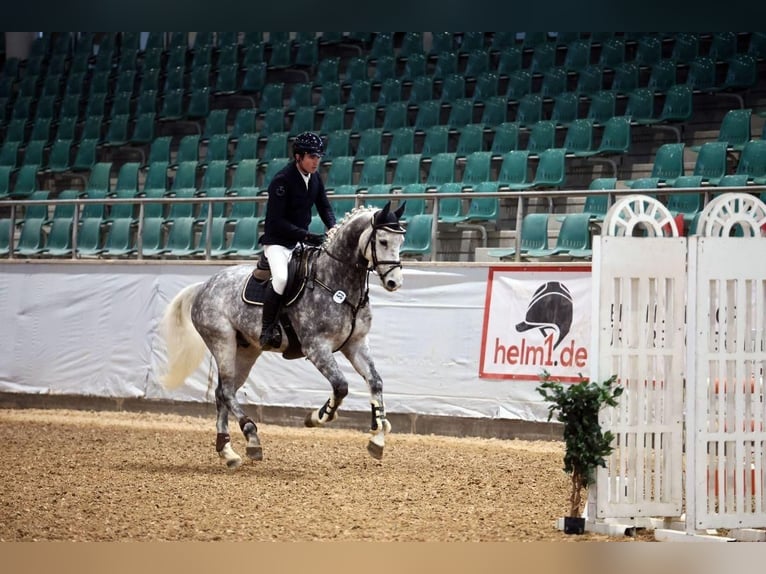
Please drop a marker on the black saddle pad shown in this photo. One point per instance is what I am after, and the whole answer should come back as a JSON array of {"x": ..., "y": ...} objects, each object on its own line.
[{"x": 253, "y": 291}]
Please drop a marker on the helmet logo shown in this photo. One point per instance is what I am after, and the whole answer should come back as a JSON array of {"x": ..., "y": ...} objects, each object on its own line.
[{"x": 551, "y": 308}]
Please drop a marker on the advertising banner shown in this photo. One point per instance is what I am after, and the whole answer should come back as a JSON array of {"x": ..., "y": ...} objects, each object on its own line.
[{"x": 536, "y": 319}]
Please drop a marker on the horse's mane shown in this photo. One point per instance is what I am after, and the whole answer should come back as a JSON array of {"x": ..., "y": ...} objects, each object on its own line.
[{"x": 350, "y": 216}]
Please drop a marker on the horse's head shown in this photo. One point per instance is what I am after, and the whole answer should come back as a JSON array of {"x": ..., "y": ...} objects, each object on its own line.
[{"x": 381, "y": 247}]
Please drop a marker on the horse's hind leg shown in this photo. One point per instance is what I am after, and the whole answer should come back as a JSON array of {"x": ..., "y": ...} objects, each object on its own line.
[
  {"x": 230, "y": 379},
  {"x": 223, "y": 438}
]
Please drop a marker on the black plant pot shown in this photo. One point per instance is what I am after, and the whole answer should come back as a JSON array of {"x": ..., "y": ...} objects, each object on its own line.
[{"x": 574, "y": 525}]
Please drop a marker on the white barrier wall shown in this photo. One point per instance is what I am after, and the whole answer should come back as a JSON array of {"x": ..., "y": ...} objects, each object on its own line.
[
  {"x": 682, "y": 322},
  {"x": 90, "y": 329}
]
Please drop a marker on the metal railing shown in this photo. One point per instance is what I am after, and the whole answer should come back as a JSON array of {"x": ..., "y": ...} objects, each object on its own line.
[{"x": 359, "y": 199}]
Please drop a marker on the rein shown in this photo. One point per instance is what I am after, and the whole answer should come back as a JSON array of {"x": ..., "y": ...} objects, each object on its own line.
[
  {"x": 362, "y": 264},
  {"x": 364, "y": 294}
]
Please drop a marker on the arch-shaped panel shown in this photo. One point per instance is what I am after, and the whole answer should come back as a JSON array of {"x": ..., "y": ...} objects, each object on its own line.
[
  {"x": 728, "y": 210},
  {"x": 633, "y": 212}
]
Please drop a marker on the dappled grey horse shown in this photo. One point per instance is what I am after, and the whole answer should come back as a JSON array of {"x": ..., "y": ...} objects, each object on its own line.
[{"x": 328, "y": 311}]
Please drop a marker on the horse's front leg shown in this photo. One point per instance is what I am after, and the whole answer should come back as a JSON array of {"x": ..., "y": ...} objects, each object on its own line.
[
  {"x": 326, "y": 364},
  {"x": 360, "y": 358}
]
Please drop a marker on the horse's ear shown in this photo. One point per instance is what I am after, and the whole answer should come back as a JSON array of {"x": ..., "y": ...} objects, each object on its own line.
[
  {"x": 400, "y": 210},
  {"x": 385, "y": 219}
]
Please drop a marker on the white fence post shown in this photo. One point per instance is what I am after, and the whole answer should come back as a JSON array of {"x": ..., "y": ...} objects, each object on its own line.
[{"x": 640, "y": 338}]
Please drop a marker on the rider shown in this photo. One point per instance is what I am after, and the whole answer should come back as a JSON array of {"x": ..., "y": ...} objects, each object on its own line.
[{"x": 292, "y": 192}]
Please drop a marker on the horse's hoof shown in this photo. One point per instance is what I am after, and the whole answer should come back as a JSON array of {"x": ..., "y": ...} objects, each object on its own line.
[
  {"x": 254, "y": 452},
  {"x": 233, "y": 460},
  {"x": 375, "y": 450},
  {"x": 233, "y": 463},
  {"x": 309, "y": 421}
]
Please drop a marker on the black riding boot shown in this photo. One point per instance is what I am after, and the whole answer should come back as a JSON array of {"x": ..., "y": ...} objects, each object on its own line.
[{"x": 271, "y": 334}]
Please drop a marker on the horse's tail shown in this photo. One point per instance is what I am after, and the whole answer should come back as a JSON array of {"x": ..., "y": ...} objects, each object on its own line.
[{"x": 185, "y": 347}]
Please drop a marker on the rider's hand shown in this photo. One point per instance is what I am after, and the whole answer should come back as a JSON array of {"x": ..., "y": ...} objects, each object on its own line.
[{"x": 314, "y": 239}]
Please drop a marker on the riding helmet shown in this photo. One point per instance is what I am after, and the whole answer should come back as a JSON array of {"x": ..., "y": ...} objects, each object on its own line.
[{"x": 308, "y": 142}]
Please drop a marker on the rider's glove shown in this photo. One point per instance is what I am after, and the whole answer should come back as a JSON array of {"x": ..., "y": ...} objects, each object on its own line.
[{"x": 314, "y": 239}]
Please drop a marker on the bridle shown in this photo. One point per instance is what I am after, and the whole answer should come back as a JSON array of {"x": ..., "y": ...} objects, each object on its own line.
[{"x": 375, "y": 263}]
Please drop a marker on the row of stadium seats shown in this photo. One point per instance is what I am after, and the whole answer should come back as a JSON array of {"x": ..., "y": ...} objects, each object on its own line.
[
  {"x": 578, "y": 140},
  {"x": 516, "y": 134}
]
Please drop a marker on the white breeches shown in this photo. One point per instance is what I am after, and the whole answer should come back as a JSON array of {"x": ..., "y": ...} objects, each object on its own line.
[{"x": 278, "y": 257}]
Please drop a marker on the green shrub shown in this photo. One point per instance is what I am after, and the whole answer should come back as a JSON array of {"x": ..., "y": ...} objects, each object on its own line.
[{"x": 577, "y": 406}]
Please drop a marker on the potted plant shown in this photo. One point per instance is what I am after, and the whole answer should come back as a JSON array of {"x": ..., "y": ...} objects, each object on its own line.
[{"x": 577, "y": 406}]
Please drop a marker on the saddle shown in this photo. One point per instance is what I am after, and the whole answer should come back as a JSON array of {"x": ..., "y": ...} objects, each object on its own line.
[{"x": 297, "y": 279}]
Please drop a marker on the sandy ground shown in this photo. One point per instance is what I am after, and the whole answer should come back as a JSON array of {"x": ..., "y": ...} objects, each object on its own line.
[{"x": 87, "y": 476}]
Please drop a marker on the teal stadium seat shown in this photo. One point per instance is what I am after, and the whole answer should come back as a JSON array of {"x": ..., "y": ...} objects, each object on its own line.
[
  {"x": 565, "y": 108},
  {"x": 181, "y": 239},
  {"x": 590, "y": 80},
  {"x": 373, "y": 171},
  {"x": 573, "y": 240},
  {"x": 244, "y": 241},
  {"x": 338, "y": 145},
  {"x": 470, "y": 139},
  {"x": 626, "y": 78},
  {"x": 31, "y": 242},
  {"x": 596, "y": 206},
  {"x": 505, "y": 138},
  {"x": 711, "y": 162},
  {"x": 370, "y": 143},
  {"x": 89, "y": 237},
  {"x": 402, "y": 142},
  {"x": 668, "y": 163},
  {"x": 752, "y": 161},
  {"x": 534, "y": 235},
  {"x": 5, "y": 234},
  {"x": 442, "y": 169},
  {"x": 244, "y": 209},
  {"x": 514, "y": 170},
  {"x": 417, "y": 240},
  {"x": 414, "y": 206},
  {"x": 578, "y": 140},
  {"x": 219, "y": 208},
  {"x": 407, "y": 170},
  {"x": 152, "y": 237},
  {"x": 218, "y": 238},
  {"x": 551, "y": 169},
  {"x": 435, "y": 141},
  {"x": 734, "y": 129},
  {"x": 450, "y": 209}
]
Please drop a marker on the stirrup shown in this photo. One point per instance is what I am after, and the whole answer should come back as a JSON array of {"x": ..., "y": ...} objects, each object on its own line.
[{"x": 271, "y": 338}]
